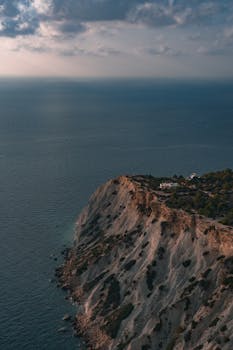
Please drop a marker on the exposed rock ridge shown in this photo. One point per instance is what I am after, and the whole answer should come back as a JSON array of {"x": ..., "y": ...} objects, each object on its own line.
[{"x": 147, "y": 276}]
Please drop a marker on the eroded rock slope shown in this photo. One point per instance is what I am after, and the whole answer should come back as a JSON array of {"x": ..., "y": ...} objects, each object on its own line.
[{"x": 147, "y": 276}]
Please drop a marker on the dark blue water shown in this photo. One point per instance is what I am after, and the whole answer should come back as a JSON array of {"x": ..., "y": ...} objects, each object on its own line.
[{"x": 58, "y": 142}]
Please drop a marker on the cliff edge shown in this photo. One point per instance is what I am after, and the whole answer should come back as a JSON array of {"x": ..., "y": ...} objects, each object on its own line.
[{"x": 148, "y": 276}]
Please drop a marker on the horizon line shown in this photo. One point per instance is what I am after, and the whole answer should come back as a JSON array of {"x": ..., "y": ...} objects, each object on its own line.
[{"x": 80, "y": 78}]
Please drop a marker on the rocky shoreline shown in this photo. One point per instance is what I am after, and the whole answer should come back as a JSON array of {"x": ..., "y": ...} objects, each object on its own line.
[
  {"x": 79, "y": 330},
  {"x": 146, "y": 276}
]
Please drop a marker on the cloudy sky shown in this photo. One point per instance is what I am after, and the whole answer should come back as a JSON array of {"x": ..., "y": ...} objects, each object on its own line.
[{"x": 104, "y": 38}]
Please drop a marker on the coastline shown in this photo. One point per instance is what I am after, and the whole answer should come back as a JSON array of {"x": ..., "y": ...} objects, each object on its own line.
[{"x": 100, "y": 264}]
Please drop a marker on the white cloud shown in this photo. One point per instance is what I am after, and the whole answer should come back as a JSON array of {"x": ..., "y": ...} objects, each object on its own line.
[{"x": 43, "y": 6}]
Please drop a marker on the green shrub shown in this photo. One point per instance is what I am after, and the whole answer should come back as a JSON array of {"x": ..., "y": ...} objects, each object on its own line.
[
  {"x": 214, "y": 322},
  {"x": 90, "y": 285},
  {"x": 113, "y": 297},
  {"x": 129, "y": 265},
  {"x": 206, "y": 273},
  {"x": 161, "y": 252},
  {"x": 186, "y": 263},
  {"x": 113, "y": 321},
  {"x": 188, "y": 336},
  {"x": 82, "y": 268},
  {"x": 223, "y": 328},
  {"x": 158, "y": 326},
  {"x": 228, "y": 281},
  {"x": 199, "y": 347},
  {"x": 150, "y": 276},
  {"x": 145, "y": 347},
  {"x": 204, "y": 284}
]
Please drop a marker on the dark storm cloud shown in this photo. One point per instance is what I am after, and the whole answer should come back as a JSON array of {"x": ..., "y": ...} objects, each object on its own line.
[
  {"x": 181, "y": 12},
  {"x": 9, "y": 8},
  {"x": 94, "y": 10},
  {"x": 19, "y": 17},
  {"x": 153, "y": 13}
]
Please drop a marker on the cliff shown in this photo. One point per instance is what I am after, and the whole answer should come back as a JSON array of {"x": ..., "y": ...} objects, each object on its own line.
[{"x": 148, "y": 276}]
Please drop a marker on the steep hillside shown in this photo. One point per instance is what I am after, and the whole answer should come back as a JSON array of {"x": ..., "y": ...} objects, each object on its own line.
[{"x": 148, "y": 276}]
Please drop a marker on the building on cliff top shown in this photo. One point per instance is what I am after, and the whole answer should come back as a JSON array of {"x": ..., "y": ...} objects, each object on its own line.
[{"x": 168, "y": 185}]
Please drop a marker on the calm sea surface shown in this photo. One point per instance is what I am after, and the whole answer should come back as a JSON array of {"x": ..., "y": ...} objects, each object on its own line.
[{"x": 58, "y": 142}]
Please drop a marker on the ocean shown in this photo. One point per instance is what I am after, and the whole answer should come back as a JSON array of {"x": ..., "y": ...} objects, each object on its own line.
[{"x": 59, "y": 140}]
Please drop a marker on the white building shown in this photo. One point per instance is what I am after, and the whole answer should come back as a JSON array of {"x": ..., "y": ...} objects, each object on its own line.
[{"x": 168, "y": 185}]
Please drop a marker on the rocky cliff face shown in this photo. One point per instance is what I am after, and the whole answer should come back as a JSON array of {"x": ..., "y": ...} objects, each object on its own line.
[{"x": 147, "y": 276}]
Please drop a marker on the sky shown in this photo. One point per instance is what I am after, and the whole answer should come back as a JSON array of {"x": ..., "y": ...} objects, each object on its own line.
[{"x": 117, "y": 38}]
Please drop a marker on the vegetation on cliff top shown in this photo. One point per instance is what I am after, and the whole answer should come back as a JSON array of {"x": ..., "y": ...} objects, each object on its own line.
[
  {"x": 210, "y": 195},
  {"x": 141, "y": 281}
]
